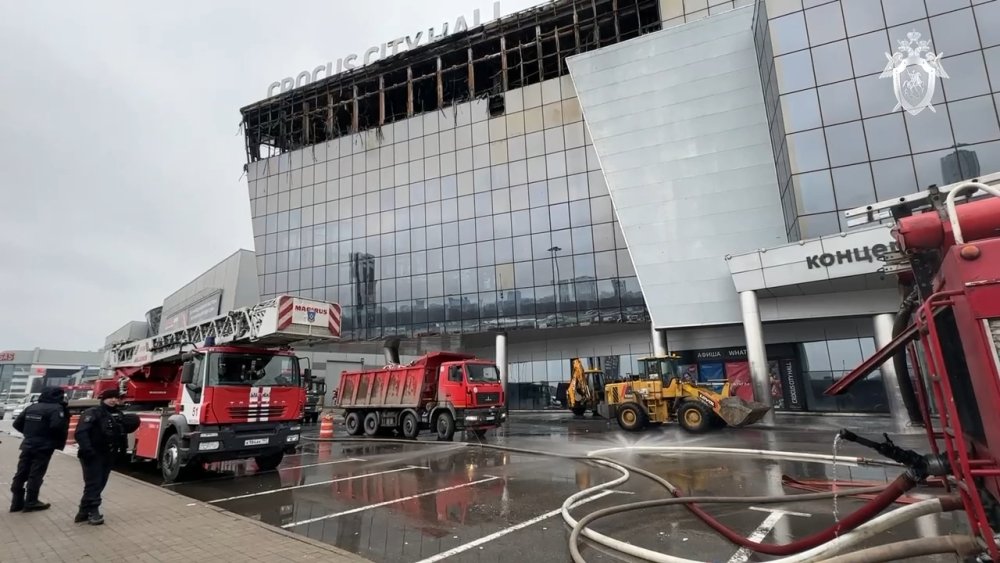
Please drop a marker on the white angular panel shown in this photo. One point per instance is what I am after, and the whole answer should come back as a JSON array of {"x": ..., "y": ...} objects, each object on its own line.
[{"x": 677, "y": 120}]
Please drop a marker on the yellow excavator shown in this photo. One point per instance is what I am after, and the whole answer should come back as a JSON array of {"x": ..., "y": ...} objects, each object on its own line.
[
  {"x": 586, "y": 389},
  {"x": 658, "y": 394}
]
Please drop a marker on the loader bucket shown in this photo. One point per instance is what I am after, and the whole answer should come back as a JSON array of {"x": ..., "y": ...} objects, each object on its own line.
[{"x": 736, "y": 412}]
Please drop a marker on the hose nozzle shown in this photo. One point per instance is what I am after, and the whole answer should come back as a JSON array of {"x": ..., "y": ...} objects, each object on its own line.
[{"x": 920, "y": 465}]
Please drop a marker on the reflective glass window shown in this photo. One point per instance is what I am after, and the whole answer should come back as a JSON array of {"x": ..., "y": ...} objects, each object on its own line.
[
  {"x": 862, "y": 16},
  {"x": 814, "y": 192},
  {"x": 954, "y": 32},
  {"x": 974, "y": 120},
  {"x": 894, "y": 178},
  {"x": 839, "y": 102},
  {"x": 788, "y": 33},
  {"x": 800, "y": 111},
  {"x": 832, "y": 62},
  {"x": 846, "y": 144},
  {"x": 825, "y": 23},
  {"x": 807, "y": 151},
  {"x": 854, "y": 186}
]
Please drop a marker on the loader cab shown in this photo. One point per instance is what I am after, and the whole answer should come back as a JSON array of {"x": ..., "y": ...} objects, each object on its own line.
[{"x": 664, "y": 368}]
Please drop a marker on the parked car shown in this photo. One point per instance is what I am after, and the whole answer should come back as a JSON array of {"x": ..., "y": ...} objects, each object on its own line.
[
  {"x": 24, "y": 403},
  {"x": 6, "y": 408}
]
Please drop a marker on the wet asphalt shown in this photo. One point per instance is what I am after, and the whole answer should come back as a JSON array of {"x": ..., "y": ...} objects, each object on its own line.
[{"x": 437, "y": 501}]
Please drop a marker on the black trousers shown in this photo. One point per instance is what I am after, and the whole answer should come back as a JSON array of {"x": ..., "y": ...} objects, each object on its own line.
[
  {"x": 31, "y": 468},
  {"x": 96, "y": 470}
]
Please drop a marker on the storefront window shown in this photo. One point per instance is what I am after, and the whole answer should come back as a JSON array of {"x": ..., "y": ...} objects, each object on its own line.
[{"x": 826, "y": 362}]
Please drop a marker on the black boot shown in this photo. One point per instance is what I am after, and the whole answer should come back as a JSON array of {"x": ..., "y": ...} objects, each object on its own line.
[
  {"x": 17, "y": 501},
  {"x": 32, "y": 504},
  {"x": 81, "y": 516},
  {"x": 95, "y": 518}
]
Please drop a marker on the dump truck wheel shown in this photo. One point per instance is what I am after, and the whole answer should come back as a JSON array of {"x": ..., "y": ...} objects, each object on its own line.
[
  {"x": 694, "y": 417},
  {"x": 353, "y": 423},
  {"x": 409, "y": 427},
  {"x": 445, "y": 426},
  {"x": 371, "y": 424},
  {"x": 631, "y": 418}
]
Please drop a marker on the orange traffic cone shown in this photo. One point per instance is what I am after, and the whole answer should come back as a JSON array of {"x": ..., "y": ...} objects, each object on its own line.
[
  {"x": 326, "y": 427},
  {"x": 73, "y": 420}
]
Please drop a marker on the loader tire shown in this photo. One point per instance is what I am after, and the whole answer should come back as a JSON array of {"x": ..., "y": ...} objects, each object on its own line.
[
  {"x": 631, "y": 418},
  {"x": 695, "y": 417}
]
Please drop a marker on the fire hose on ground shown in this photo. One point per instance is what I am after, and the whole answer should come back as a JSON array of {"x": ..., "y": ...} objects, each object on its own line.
[{"x": 838, "y": 539}]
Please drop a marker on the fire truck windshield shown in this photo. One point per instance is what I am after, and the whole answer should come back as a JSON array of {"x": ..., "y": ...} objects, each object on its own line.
[
  {"x": 253, "y": 370},
  {"x": 483, "y": 373}
]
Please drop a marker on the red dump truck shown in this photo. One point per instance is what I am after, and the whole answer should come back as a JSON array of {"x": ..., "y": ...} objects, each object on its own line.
[{"x": 440, "y": 391}]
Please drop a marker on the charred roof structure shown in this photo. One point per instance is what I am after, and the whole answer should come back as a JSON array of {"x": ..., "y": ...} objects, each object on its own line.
[{"x": 518, "y": 50}]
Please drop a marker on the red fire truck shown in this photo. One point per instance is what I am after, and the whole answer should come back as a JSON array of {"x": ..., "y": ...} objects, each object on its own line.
[
  {"x": 443, "y": 391},
  {"x": 949, "y": 328},
  {"x": 225, "y": 389}
]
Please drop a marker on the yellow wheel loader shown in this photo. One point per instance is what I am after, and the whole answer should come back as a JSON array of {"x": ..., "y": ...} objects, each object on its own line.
[
  {"x": 586, "y": 390},
  {"x": 659, "y": 395}
]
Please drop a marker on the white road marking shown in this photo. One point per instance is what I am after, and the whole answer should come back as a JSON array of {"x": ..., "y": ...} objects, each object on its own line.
[
  {"x": 388, "y": 502},
  {"x": 231, "y": 477},
  {"x": 743, "y": 555},
  {"x": 316, "y": 484},
  {"x": 486, "y": 539},
  {"x": 789, "y": 512}
]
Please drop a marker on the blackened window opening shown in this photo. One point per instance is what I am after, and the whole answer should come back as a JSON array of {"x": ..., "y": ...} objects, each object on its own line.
[{"x": 518, "y": 50}]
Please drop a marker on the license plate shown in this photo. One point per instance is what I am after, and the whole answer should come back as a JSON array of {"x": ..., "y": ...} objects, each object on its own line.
[{"x": 257, "y": 442}]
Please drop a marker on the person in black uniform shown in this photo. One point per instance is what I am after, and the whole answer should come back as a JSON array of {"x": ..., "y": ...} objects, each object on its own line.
[
  {"x": 100, "y": 437},
  {"x": 45, "y": 426}
]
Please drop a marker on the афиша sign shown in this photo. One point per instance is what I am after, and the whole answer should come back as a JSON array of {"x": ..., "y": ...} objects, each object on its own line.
[{"x": 376, "y": 52}]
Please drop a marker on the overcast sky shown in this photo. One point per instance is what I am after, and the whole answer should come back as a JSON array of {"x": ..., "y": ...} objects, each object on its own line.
[{"x": 122, "y": 169}]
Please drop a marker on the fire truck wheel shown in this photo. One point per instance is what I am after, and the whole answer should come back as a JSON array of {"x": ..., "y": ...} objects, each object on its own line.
[
  {"x": 353, "y": 423},
  {"x": 269, "y": 462},
  {"x": 409, "y": 428},
  {"x": 445, "y": 426},
  {"x": 170, "y": 460},
  {"x": 371, "y": 424}
]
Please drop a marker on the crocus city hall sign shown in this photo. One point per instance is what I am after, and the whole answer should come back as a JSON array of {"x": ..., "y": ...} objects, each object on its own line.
[{"x": 376, "y": 52}]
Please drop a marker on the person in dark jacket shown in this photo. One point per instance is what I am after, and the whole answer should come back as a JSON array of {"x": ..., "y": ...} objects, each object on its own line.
[
  {"x": 100, "y": 437},
  {"x": 45, "y": 426}
]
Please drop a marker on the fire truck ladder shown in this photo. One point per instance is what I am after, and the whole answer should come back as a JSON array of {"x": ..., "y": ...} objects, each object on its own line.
[{"x": 241, "y": 325}]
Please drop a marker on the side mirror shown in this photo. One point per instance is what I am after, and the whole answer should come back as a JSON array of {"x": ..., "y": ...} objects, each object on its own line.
[
  {"x": 187, "y": 373},
  {"x": 188, "y": 356},
  {"x": 307, "y": 374}
]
